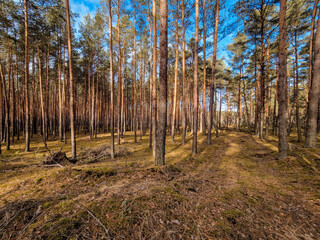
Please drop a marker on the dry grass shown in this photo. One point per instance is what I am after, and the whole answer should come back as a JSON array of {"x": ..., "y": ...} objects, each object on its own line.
[{"x": 234, "y": 189}]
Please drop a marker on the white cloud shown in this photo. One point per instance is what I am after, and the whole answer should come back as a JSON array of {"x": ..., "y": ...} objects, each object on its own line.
[{"x": 82, "y": 8}]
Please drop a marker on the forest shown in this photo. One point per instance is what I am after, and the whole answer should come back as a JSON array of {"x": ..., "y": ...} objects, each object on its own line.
[{"x": 157, "y": 119}]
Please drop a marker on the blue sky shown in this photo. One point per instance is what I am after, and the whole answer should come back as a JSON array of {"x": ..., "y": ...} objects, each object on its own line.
[{"x": 83, "y": 7}]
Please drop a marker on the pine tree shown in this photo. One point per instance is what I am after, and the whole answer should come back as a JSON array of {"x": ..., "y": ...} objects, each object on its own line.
[{"x": 282, "y": 83}]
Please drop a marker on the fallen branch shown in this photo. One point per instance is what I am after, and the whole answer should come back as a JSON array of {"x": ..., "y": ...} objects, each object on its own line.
[
  {"x": 97, "y": 220},
  {"x": 53, "y": 165}
]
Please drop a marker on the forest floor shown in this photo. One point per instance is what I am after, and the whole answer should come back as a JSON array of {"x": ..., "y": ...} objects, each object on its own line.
[{"x": 233, "y": 189}]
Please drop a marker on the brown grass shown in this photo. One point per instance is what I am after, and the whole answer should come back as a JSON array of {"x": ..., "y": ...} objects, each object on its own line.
[{"x": 234, "y": 189}]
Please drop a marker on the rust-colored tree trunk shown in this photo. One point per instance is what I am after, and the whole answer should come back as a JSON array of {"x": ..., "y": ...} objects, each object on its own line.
[
  {"x": 7, "y": 92},
  {"x": 311, "y": 57},
  {"x": 71, "y": 87},
  {"x": 282, "y": 84},
  {"x": 26, "y": 78},
  {"x": 60, "y": 92},
  {"x": 141, "y": 103},
  {"x": 183, "y": 105},
  {"x": 1, "y": 106},
  {"x": 195, "y": 83},
  {"x": 135, "y": 78},
  {"x": 161, "y": 141},
  {"x": 154, "y": 78},
  {"x": 203, "y": 130},
  {"x": 296, "y": 91},
  {"x": 41, "y": 95},
  {"x": 313, "y": 106},
  {"x": 111, "y": 83},
  {"x": 150, "y": 78},
  {"x": 119, "y": 76},
  {"x": 239, "y": 99},
  {"x": 123, "y": 121},
  {"x": 64, "y": 98},
  {"x": 212, "y": 84},
  {"x": 46, "y": 122},
  {"x": 175, "y": 75},
  {"x": 261, "y": 113}
]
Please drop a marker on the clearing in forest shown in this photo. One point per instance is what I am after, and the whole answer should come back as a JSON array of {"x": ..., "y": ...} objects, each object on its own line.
[{"x": 233, "y": 189}]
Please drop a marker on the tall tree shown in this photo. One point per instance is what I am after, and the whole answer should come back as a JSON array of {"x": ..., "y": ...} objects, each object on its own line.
[
  {"x": 71, "y": 87},
  {"x": 204, "y": 70},
  {"x": 175, "y": 75},
  {"x": 314, "y": 13},
  {"x": 314, "y": 93},
  {"x": 212, "y": 84},
  {"x": 161, "y": 142},
  {"x": 154, "y": 77},
  {"x": 195, "y": 82},
  {"x": 282, "y": 83},
  {"x": 26, "y": 77},
  {"x": 111, "y": 82},
  {"x": 135, "y": 76},
  {"x": 183, "y": 105},
  {"x": 119, "y": 75}
]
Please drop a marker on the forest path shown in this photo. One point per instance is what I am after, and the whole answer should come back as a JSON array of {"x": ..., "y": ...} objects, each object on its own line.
[
  {"x": 260, "y": 196},
  {"x": 232, "y": 189}
]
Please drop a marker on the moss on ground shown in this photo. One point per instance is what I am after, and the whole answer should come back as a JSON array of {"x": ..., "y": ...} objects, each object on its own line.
[{"x": 233, "y": 189}]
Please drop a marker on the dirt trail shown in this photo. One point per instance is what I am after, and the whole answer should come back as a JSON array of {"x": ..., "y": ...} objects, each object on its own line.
[
  {"x": 260, "y": 196},
  {"x": 234, "y": 189}
]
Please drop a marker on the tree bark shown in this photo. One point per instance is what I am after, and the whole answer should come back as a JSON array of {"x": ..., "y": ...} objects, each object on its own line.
[
  {"x": 204, "y": 70},
  {"x": 282, "y": 84},
  {"x": 195, "y": 83},
  {"x": 311, "y": 56},
  {"x": 119, "y": 76},
  {"x": 296, "y": 95},
  {"x": 150, "y": 78},
  {"x": 175, "y": 75},
  {"x": 184, "y": 85},
  {"x": 41, "y": 95},
  {"x": 211, "y": 117},
  {"x": 111, "y": 83},
  {"x": 312, "y": 117},
  {"x": 154, "y": 78},
  {"x": 135, "y": 79},
  {"x": 26, "y": 78},
  {"x": 161, "y": 141},
  {"x": 72, "y": 118}
]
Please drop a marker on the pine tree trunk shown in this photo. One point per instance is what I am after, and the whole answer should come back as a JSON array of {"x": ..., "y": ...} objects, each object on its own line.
[
  {"x": 204, "y": 71},
  {"x": 60, "y": 92},
  {"x": 1, "y": 107},
  {"x": 150, "y": 78},
  {"x": 175, "y": 75},
  {"x": 111, "y": 83},
  {"x": 311, "y": 55},
  {"x": 135, "y": 79},
  {"x": 184, "y": 85},
  {"x": 47, "y": 96},
  {"x": 239, "y": 101},
  {"x": 212, "y": 84},
  {"x": 72, "y": 118},
  {"x": 26, "y": 78},
  {"x": 311, "y": 133},
  {"x": 282, "y": 84},
  {"x": 8, "y": 123},
  {"x": 119, "y": 77},
  {"x": 41, "y": 95},
  {"x": 195, "y": 83},
  {"x": 161, "y": 141},
  {"x": 297, "y": 87},
  {"x": 154, "y": 78}
]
